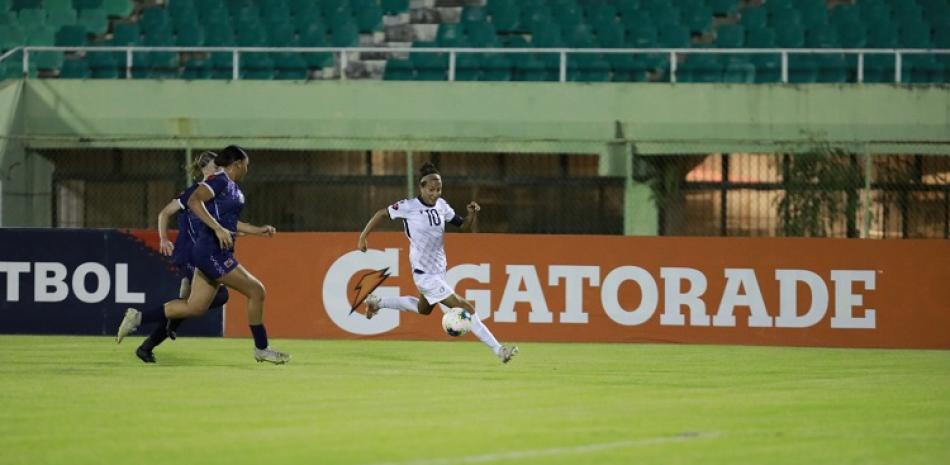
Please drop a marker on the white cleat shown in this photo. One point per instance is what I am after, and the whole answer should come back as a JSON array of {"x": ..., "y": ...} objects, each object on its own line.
[
  {"x": 507, "y": 353},
  {"x": 372, "y": 306},
  {"x": 271, "y": 355},
  {"x": 131, "y": 321}
]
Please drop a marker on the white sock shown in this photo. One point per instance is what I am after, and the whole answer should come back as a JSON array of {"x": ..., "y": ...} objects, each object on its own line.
[
  {"x": 404, "y": 303},
  {"x": 482, "y": 333}
]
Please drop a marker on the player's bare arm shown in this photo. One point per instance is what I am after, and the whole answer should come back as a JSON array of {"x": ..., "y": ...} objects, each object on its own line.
[
  {"x": 247, "y": 228},
  {"x": 471, "y": 220},
  {"x": 362, "y": 244},
  {"x": 165, "y": 245}
]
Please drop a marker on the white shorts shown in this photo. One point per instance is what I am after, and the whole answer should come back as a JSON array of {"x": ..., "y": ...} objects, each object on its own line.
[{"x": 433, "y": 287}]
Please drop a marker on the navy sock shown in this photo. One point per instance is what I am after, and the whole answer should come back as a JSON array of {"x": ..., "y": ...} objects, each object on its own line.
[
  {"x": 154, "y": 315},
  {"x": 260, "y": 336}
]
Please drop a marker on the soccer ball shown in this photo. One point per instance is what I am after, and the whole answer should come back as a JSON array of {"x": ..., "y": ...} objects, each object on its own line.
[{"x": 456, "y": 322}]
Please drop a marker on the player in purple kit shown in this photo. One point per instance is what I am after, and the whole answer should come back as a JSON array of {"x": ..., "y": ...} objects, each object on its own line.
[
  {"x": 180, "y": 251},
  {"x": 217, "y": 203}
]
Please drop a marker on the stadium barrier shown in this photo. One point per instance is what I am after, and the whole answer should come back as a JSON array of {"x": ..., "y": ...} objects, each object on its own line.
[
  {"x": 341, "y": 54},
  {"x": 69, "y": 281},
  {"x": 759, "y": 291}
]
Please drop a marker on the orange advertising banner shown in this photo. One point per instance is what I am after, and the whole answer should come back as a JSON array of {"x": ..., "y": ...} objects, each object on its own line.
[{"x": 762, "y": 291}]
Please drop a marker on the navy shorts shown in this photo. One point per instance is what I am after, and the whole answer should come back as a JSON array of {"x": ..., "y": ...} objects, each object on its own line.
[
  {"x": 186, "y": 269},
  {"x": 213, "y": 262}
]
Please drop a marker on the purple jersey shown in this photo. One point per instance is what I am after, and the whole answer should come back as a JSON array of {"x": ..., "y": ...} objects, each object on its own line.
[
  {"x": 225, "y": 206},
  {"x": 188, "y": 226}
]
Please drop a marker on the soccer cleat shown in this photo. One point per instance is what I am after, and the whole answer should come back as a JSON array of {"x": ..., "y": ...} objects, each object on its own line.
[
  {"x": 271, "y": 355},
  {"x": 145, "y": 355},
  {"x": 372, "y": 306},
  {"x": 131, "y": 321},
  {"x": 507, "y": 353}
]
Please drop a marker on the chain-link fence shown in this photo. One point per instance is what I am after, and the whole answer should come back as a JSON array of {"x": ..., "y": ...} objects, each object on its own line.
[{"x": 826, "y": 193}]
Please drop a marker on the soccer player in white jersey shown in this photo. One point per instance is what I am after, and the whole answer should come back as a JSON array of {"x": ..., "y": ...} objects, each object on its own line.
[{"x": 424, "y": 219}]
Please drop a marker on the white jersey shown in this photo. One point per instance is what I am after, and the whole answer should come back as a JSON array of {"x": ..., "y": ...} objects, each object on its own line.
[{"x": 425, "y": 227}]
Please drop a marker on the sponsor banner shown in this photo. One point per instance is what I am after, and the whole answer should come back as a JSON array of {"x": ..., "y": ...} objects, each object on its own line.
[
  {"x": 67, "y": 281},
  {"x": 768, "y": 291}
]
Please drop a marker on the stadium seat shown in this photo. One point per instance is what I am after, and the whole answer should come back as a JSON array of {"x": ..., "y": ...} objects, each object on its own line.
[
  {"x": 739, "y": 71},
  {"x": 610, "y": 36},
  {"x": 345, "y": 35},
  {"x": 61, "y": 17},
  {"x": 430, "y": 66},
  {"x": 768, "y": 67},
  {"x": 398, "y": 70},
  {"x": 495, "y": 67},
  {"x": 95, "y": 20},
  {"x": 126, "y": 34},
  {"x": 821, "y": 37},
  {"x": 391, "y": 7},
  {"x": 754, "y": 17},
  {"x": 190, "y": 37},
  {"x": 369, "y": 20},
  {"x": 118, "y": 8},
  {"x": 197, "y": 69},
  {"x": 831, "y": 67},
  {"x": 587, "y": 67},
  {"x": 17, "y": 5},
  {"x": 700, "y": 68},
  {"x": 290, "y": 66},
  {"x": 257, "y": 66},
  {"x": 467, "y": 67},
  {"x": 760, "y": 37},
  {"x": 74, "y": 69},
  {"x": 802, "y": 68},
  {"x": 724, "y": 7},
  {"x": 71, "y": 36},
  {"x": 44, "y": 35},
  {"x": 30, "y": 18},
  {"x": 46, "y": 60},
  {"x": 87, "y": 4},
  {"x": 106, "y": 65},
  {"x": 530, "y": 67},
  {"x": 730, "y": 36}
]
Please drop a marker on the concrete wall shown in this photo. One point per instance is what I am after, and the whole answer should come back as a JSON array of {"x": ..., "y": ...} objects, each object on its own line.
[{"x": 612, "y": 120}]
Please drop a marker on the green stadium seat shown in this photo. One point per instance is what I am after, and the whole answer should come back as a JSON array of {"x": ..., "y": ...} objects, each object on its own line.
[
  {"x": 530, "y": 67},
  {"x": 162, "y": 65},
  {"x": 915, "y": 38},
  {"x": 941, "y": 37},
  {"x": 154, "y": 18},
  {"x": 882, "y": 36},
  {"x": 4, "y": 5},
  {"x": 197, "y": 69},
  {"x": 7, "y": 17},
  {"x": 673, "y": 37},
  {"x": 802, "y": 68},
  {"x": 450, "y": 35},
  {"x": 211, "y": 11},
  {"x": 369, "y": 20},
  {"x": 579, "y": 36},
  {"x": 514, "y": 41},
  {"x": 789, "y": 35},
  {"x": 754, "y": 17},
  {"x": 821, "y": 37},
  {"x": 106, "y": 64},
  {"x": 158, "y": 38},
  {"x": 126, "y": 34},
  {"x": 17, "y": 5},
  {"x": 47, "y": 60},
  {"x": 179, "y": 8},
  {"x": 832, "y": 67},
  {"x": 922, "y": 69},
  {"x": 74, "y": 69},
  {"x": 625, "y": 68},
  {"x": 185, "y": 23},
  {"x": 219, "y": 35},
  {"x": 398, "y": 70},
  {"x": 345, "y": 35},
  {"x": 251, "y": 36},
  {"x": 95, "y": 20},
  {"x": 697, "y": 21},
  {"x": 611, "y": 36},
  {"x": 71, "y": 36},
  {"x": 467, "y": 67},
  {"x": 30, "y": 18},
  {"x": 297, "y": 6},
  {"x": 60, "y": 18},
  {"x": 87, "y": 4},
  {"x": 852, "y": 35},
  {"x": 760, "y": 37},
  {"x": 768, "y": 67},
  {"x": 531, "y": 20},
  {"x": 430, "y": 66},
  {"x": 587, "y": 67},
  {"x": 308, "y": 18},
  {"x": 700, "y": 68},
  {"x": 391, "y": 7},
  {"x": 642, "y": 37},
  {"x": 11, "y": 36},
  {"x": 505, "y": 20},
  {"x": 290, "y": 66},
  {"x": 813, "y": 12},
  {"x": 257, "y": 66},
  {"x": 43, "y": 35},
  {"x": 495, "y": 67},
  {"x": 274, "y": 9},
  {"x": 118, "y": 8},
  {"x": 568, "y": 18},
  {"x": 546, "y": 35},
  {"x": 190, "y": 37},
  {"x": 739, "y": 72},
  {"x": 281, "y": 35},
  {"x": 481, "y": 34},
  {"x": 879, "y": 68},
  {"x": 730, "y": 36},
  {"x": 474, "y": 14},
  {"x": 724, "y": 7}
]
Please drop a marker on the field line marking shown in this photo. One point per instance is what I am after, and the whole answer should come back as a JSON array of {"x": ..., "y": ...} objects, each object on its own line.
[{"x": 534, "y": 453}]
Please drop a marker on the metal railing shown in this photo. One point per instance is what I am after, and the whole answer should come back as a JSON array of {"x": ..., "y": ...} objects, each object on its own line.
[{"x": 563, "y": 54}]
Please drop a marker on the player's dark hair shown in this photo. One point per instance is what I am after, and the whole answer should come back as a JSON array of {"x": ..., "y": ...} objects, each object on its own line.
[
  {"x": 198, "y": 164},
  {"x": 427, "y": 169},
  {"x": 230, "y": 154}
]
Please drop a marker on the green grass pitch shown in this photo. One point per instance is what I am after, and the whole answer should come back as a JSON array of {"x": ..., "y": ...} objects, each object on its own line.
[{"x": 85, "y": 400}]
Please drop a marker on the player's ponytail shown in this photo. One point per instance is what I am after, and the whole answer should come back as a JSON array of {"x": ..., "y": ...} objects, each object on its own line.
[
  {"x": 428, "y": 172},
  {"x": 199, "y": 164}
]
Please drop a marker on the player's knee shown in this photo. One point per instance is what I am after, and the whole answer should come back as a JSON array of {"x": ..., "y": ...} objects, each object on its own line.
[
  {"x": 257, "y": 291},
  {"x": 425, "y": 309}
]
